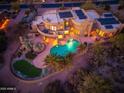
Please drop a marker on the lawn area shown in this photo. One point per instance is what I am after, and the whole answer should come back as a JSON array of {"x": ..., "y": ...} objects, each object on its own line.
[{"x": 26, "y": 69}]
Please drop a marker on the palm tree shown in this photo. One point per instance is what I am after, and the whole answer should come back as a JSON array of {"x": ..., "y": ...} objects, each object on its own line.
[
  {"x": 49, "y": 58},
  {"x": 58, "y": 62},
  {"x": 82, "y": 46}
]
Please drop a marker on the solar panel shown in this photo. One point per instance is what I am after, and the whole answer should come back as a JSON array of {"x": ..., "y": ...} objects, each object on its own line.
[
  {"x": 108, "y": 15},
  {"x": 51, "y": 5},
  {"x": 106, "y": 21},
  {"x": 68, "y": 5},
  {"x": 80, "y": 14},
  {"x": 66, "y": 14},
  {"x": 45, "y": 31},
  {"x": 108, "y": 26}
]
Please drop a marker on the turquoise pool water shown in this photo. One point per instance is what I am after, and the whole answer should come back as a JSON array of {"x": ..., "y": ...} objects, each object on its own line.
[{"x": 63, "y": 50}]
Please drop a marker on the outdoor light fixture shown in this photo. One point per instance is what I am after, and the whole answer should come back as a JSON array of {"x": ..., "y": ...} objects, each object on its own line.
[
  {"x": 4, "y": 24},
  {"x": 70, "y": 43},
  {"x": 60, "y": 36}
]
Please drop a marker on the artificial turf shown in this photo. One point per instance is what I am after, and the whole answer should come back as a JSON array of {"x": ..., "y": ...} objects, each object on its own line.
[{"x": 26, "y": 69}]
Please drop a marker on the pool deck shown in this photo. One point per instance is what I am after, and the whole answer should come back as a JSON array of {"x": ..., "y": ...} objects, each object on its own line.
[
  {"x": 86, "y": 39},
  {"x": 39, "y": 60}
]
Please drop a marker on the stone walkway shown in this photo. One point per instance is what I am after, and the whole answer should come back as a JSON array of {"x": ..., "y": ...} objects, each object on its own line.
[{"x": 39, "y": 60}]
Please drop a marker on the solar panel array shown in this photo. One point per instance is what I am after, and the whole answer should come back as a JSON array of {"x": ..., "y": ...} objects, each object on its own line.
[
  {"x": 80, "y": 14},
  {"x": 66, "y": 14},
  {"x": 106, "y": 21},
  {"x": 108, "y": 26},
  {"x": 108, "y": 15}
]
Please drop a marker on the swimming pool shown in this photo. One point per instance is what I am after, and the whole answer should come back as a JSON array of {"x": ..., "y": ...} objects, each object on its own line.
[{"x": 63, "y": 50}]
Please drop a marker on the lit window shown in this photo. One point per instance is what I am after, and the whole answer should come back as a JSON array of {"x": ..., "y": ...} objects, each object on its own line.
[
  {"x": 61, "y": 27},
  {"x": 66, "y": 23},
  {"x": 60, "y": 36},
  {"x": 101, "y": 33},
  {"x": 54, "y": 33},
  {"x": 72, "y": 28},
  {"x": 53, "y": 28},
  {"x": 66, "y": 32},
  {"x": 97, "y": 30}
]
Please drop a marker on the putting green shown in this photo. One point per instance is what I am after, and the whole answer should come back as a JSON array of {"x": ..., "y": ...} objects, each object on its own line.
[{"x": 26, "y": 69}]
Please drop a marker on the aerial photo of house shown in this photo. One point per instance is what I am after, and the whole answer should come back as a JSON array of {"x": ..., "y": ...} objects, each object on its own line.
[{"x": 61, "y": 46}]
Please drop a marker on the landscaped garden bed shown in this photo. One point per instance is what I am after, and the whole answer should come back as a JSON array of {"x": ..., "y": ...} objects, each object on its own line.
[{"x": 30, "y": 55}]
